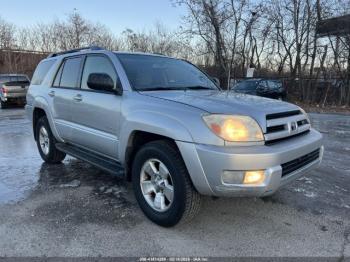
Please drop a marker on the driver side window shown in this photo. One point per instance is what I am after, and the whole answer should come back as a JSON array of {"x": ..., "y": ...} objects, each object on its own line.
[{"x": 98, "y": 64}]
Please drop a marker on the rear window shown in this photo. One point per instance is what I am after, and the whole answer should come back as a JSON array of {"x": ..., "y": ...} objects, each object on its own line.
[
  {"x": 41, "y": 71},
  {"x": 246, "y": 85},
  {"x": 6, "y": 79}
]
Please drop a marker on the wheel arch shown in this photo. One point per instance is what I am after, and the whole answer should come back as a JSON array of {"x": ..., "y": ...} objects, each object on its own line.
[
  {"x": 41, "y": 108},
  {"x": 136, "y": 140}
]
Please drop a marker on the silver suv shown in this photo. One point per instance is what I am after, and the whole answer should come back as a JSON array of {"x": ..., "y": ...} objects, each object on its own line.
[{"x": 168, "y": 124}]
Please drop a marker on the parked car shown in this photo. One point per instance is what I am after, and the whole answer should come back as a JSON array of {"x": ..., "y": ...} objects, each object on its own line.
[
  {"x": 13, "y": 89},
  {"x": 261, "y": 87},
  {"x": 175, "y": 133}
]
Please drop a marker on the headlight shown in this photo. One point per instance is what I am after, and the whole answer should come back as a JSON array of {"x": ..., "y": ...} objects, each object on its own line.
[
  {"x": 306, "y": 115},
  {"x": 234, "y": 128}
]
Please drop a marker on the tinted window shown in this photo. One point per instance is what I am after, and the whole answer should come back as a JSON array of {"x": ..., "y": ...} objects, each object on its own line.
[
  {"x": 4, "y": 79},
  {"x": 19, "y": 78},
  {"x": 97, "y": 64},
  {"x": 246, "y": 85},
  {"x": 41, "y": 71},
  {"x": 58, "y": 77},
  {"x": 147, "y": 72},
  {"x": 274, "y": 84},
  {"x": 9, "y": 78},
  {"x": 70, "y": 72},
  {"x": 263, "y": 84}
]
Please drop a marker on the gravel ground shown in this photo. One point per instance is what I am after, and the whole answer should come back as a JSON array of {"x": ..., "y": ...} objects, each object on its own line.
[{"x": 74, "y": 209}]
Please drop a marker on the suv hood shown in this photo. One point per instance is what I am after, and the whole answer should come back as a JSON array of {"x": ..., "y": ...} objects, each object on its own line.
[{"x": 221, "y": 102}]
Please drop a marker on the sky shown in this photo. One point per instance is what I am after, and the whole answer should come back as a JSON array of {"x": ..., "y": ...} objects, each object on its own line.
[{"x": 117, "y": 15}]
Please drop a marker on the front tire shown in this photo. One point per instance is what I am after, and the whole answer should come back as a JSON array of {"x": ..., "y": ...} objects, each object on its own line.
[
  {"x": 46, "y": 143},
  {"x": 162, "y": 185}
]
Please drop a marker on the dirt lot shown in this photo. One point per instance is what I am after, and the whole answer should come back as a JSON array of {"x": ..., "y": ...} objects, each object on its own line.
[{"x": 74, "y": 209}]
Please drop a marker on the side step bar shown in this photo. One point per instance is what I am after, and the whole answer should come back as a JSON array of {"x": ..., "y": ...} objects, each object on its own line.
[{"x": 104, "y": 163}]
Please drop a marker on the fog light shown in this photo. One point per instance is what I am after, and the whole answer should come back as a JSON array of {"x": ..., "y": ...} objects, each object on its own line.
[
  {"x": 232, "y": 177},
  {"x": 254, "y": 177}
]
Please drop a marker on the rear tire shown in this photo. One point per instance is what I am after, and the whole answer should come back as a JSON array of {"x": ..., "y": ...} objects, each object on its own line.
[
  {"x": 3, "y": 104},
  {"x": 46, "y": 143},
  {"x": 184, "y": 203}
]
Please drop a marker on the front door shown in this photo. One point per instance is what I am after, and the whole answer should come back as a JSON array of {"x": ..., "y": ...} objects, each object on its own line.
[{"x": 96, "y": 114}]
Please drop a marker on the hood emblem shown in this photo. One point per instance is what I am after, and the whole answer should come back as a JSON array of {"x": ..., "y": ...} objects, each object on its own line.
[{"x": 293, "y": 127}]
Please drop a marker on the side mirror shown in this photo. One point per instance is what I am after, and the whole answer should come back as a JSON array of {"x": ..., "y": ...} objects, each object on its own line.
[
  {"x": 101, "y": 82},
  {"x": 216, "y": 80}
]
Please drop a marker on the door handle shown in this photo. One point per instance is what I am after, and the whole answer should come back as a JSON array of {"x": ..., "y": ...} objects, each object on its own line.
[
  {"x": 78, "y": 98},
  {"x": 52, "y": 93}
]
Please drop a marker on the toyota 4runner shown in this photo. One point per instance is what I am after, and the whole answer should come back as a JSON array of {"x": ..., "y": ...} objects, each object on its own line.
[{"x": 171, "y": 128}]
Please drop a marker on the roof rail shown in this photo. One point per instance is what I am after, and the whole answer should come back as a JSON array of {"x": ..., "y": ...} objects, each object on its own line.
[{"x": 76, "y": 50}]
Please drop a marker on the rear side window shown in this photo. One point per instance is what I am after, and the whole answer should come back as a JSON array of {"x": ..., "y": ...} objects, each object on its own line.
[
  {"x": 263, "y": 84},
  {"x": 275, "y": 84},
  {"x": 56, "y": 83},
  {"x": 41, "y": 71},
  {"x": 69, "y": 73}
]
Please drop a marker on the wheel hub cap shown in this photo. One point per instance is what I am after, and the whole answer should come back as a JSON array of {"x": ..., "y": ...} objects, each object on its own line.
[
  {"x": 44, "y": 140},
  {"x": 157, "y": 185}
]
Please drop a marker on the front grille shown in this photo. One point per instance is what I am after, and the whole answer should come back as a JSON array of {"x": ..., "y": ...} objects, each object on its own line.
[
  {"x": 285, "y": 125},
  {"x": 300, "y": 162},
  {"x": 283, "y": 114},
  {"x": 275, "y": 141},
  {"x": 272, "y": 129}
]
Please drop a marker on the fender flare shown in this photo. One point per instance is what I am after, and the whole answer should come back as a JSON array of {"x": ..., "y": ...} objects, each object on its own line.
[
  {"x": 151, "y": 122},
  {"x": 40, "y": 102}
]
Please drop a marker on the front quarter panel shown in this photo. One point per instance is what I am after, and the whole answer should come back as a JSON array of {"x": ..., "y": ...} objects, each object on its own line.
[{"x": 170, "y": 119}]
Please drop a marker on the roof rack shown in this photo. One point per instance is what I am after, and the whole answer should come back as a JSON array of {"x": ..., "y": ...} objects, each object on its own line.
[{"x": 92, "y": 48}]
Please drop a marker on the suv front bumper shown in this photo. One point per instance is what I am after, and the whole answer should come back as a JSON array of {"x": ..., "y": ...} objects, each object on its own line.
[{"x": 206, "y": 164}]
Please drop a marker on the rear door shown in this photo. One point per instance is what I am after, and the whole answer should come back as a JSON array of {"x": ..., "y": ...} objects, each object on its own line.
[
  {"x": 96, "y": 114},
  {"x": 63, "y": 91}
]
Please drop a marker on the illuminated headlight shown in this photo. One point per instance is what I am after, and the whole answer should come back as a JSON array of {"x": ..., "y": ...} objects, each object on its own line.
[{"x": 234, "y": 128}]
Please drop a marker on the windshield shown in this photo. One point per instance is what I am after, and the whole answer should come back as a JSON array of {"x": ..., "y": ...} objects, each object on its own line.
[{"x": 147, "y": 73}]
